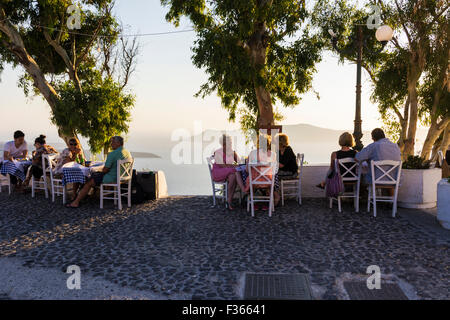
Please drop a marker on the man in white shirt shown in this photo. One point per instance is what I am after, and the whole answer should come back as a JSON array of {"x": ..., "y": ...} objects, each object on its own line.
[{"x": 15, "y": 149}]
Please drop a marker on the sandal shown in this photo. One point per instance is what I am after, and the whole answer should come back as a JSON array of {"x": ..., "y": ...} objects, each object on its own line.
[
  {"x": 320, "y": 186},
  {"x": 69, "y": 205}
]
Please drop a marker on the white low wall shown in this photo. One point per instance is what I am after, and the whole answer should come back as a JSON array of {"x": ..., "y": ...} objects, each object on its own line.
[{"x": 313, "y": 175}]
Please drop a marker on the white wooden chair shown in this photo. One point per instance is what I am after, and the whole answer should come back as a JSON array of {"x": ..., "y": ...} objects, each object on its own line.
[
  {"x": 293, "y": 187},
  {"x": 387, "y": 178},
  {"x": 115, "y": 191},
  {"x": 41, "y": 184},
  {"x": 219, "y": 189},
  {"x": 56, "y": 184},
  {"x": 263, "y": 171},
  {"x": 351, "y": 175}
]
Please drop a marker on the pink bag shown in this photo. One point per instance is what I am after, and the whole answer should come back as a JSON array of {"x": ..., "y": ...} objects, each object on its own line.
[{"x": 334, "y": 184}]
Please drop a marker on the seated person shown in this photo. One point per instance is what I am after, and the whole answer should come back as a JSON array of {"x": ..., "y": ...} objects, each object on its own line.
[
  {"x": 380, "y": 149},
  {"x": 16, "y": 149},
  {"x": 36, "y": 169},
  {"x": 265, "y": 155},
  {"x": 287, "y": 159},
  {"x": 71, "y": 154},
  {"x": 224, "y": 167},
  {"x": 347, "y": 142},
  {"x": 109, "y": 172}
]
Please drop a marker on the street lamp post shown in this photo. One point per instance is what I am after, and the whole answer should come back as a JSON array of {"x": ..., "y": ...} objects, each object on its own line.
[{"x": 383, "y": 35}]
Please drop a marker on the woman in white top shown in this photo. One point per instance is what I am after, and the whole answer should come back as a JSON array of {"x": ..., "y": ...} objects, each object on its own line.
[{"x": 264, "y": 155}]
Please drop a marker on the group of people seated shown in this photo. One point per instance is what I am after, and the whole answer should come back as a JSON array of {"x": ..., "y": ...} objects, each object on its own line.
[
  {"x": 17, "y": 149},
  {"x": 227, "y": 165},
  {"x": 380, "y": 149}
]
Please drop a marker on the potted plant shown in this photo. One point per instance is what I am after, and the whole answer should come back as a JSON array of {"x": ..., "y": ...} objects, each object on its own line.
[
  {"x": 418, "y": 184},
  {"x": 443, "y": 202}
]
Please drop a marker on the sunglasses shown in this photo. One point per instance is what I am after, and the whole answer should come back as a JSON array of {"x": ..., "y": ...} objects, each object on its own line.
[{"x": 73, "y": 144}]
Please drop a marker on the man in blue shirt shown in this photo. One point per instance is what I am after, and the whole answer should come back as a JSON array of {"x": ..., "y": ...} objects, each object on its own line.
[{"x": 381, "y": 149}]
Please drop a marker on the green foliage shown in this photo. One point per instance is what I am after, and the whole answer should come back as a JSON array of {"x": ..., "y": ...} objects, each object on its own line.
[
  {"x": 427, "y": 31},
  {"x": 226, "y": 30},
  {"x": 100, "y": 112},
  {"x": 101, "y": 108},
  {"x": 416, "y": 162}
]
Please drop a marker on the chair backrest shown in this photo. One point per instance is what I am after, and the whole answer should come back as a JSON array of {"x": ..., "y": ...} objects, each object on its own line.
[
  {"x": 124, "y": 170},
  {"x": 349, "y": 169},
  {"x": 262, "y": 173},
  {"x": 389, "y": 172},
  {"x": 210, "y": 160},
  {"x": 48, "y": 163}
]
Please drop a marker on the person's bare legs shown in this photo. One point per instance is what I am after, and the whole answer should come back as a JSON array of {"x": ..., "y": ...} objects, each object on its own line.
[
  {"x": 83, "y": 193},
  {"x": 231, "y": 188},
  {"x": 276, "y": 197},
  {"x": 240, "y": 182},
  {"x": 75, "y": 187}
]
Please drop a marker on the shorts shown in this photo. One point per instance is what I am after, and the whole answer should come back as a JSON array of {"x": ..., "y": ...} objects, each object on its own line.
[{"x": 98, "y": 178}]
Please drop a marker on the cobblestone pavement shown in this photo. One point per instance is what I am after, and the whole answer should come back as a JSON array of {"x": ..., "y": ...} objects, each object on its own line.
[{"x": 181, "y": 246}]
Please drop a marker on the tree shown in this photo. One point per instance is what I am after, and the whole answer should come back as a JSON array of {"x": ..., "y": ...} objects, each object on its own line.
[
  {"x": 410, "y": 77},
  {"x": 34, "y": 35},
  {"x": 255, "y": 52},
  {"x": 100, "y": 112}
]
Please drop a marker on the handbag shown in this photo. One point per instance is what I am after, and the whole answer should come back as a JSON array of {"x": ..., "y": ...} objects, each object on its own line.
[{"x": 334, "y": 185}]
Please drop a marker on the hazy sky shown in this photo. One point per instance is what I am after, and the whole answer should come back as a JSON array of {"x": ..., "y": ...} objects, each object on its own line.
[{"x": 166, "y": 81}]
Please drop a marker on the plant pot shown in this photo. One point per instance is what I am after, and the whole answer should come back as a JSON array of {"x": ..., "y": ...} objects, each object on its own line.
[
  {"x": 443, "y": 203},
  {"x": 418, "y": 188}
]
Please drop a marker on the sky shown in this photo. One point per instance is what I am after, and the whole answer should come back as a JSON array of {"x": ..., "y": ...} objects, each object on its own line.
[{"x": 166, "y": 80}]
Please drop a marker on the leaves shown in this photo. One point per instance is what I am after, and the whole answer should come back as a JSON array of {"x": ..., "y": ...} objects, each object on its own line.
[
  {"x": 100, "y": 112},
  {"x": 245, "y": 44}
]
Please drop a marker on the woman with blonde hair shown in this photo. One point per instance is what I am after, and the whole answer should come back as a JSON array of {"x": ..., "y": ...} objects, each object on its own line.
[
  {"x": 347, "y": 142},
  {"x": 224, "y": 167}
]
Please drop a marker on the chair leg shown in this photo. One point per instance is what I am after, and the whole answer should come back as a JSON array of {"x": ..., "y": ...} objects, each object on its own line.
[
  {"x": 339, "y": 204},
  {"x": 119, "y": 196},
  {"x": 101, "y": 196},
  {"x": 32, "y": 187},
  {"x": 374, "y": 196},
  {"x": 282, "y": 194},
  {"x": 331, "y": 203},
  {"x": 64, "y": 194},
  {"x": 214, "y": 195},
  {"x": 53, "y": 191},
  {"x": 368, "y": 199},
  {"x": 129, "y": 194},
  {"x": 300, "y": 193},
  {"x": 44, "y": 178}
]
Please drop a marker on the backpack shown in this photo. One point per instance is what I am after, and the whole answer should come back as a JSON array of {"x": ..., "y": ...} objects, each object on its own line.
[{"x": 138, "y": 195}]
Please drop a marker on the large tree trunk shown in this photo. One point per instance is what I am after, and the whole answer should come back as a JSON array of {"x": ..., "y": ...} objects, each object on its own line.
[
  {"x": 445, "y": 140},
  {"x": 433, "y": 134},
  {"x": 257, "y": 49},
  {"x": 16, "y": 46}
]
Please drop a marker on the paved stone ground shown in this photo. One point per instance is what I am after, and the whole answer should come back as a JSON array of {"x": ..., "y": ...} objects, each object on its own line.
[{"x": 180, "y": 247}]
